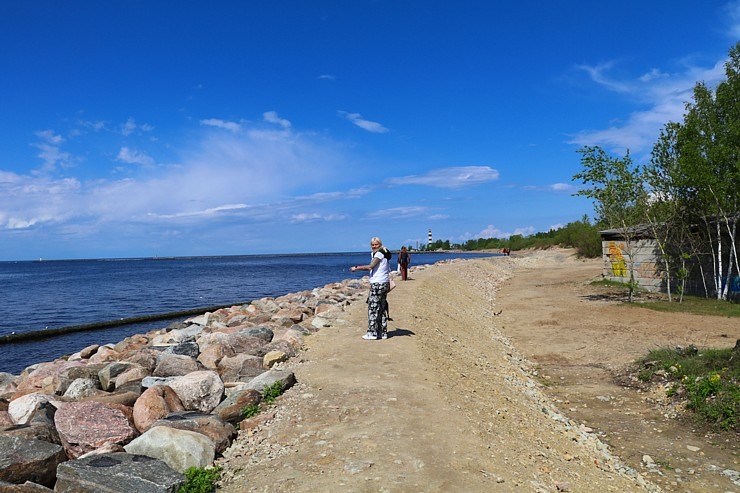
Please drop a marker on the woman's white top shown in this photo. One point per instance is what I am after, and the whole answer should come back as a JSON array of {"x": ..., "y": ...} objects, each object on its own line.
[{"x": 382, "y": 272}]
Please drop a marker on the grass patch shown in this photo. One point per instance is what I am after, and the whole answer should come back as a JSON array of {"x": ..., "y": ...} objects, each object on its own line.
[
  {"x": 269, "y": 394},
  {"x": 608, "y": 283},
  {"x": 250, "y": 410},
  {"x": 708, "y": 380},
  {"x": 272, "y": 392},
  {"x": 695, "y": 305},
  {"x": 199, "y": 480}
]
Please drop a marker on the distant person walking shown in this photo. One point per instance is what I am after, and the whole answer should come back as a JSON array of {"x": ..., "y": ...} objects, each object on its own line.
[
  {"x": 404, "y": 259},
  {"x": 377, "y": 302}
]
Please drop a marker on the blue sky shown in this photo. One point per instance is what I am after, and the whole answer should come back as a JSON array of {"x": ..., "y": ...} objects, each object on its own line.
[{"x": 139, "y": 128}]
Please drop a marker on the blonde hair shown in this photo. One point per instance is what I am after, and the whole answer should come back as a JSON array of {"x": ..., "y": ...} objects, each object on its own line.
[{"x": 375, "y": 239}]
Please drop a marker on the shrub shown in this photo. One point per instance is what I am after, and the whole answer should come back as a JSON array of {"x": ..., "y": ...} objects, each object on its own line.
[{"x": 200, "y": 480}]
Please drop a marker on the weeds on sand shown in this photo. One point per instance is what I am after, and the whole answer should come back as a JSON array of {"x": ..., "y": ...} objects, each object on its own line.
[
  {"x": 707, "y": 380},
  {"x": 269, "y": 394},
  {"x": 199, "y": 480}
]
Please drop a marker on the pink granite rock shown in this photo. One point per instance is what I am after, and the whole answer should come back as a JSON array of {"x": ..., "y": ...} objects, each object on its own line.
[
  {"x": 42, "y": 378},
  {"x": 155, "y": 403},
  {"x": 86, "y": 426}
]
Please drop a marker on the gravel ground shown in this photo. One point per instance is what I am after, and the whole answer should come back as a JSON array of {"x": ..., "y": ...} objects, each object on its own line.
[{"x": 446, "y": 404}]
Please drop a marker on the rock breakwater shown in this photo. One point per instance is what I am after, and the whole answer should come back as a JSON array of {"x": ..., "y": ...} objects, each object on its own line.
[{"x": 136, "y": 414}]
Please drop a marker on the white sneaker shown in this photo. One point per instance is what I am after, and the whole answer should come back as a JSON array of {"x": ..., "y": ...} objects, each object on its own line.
[
  {"x": 368, "y": 337},
  {"x": 385, "y": 336}
]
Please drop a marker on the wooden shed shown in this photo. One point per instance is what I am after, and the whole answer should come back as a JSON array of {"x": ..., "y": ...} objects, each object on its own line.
[{"x": 642, "y": 249}]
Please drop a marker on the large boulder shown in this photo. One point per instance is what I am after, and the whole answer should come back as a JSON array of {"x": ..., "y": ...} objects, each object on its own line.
[
  {"x": 29, "y": 460},
  {"x": 83, "y": 387},
  {"x": 22, "y": 408},
  {"x": 184, "y": 348},
  {"x": 231, "y": 408},
  {"x": 42, "y": 377},
  {"x": 135, "y": 373},
  {"x": 240, "y": 368},
  {"x": 109, "y": 372},
  {"x": 269, "y": 378},
  {"x": 85, "y": 426},
  {"x": 179, "y": 449},
  {"x": 155, "y": 403},
  {"x": 219, "y": 431},
  {"x": 8, "y": 385},
  {"x": 117, "y": 473},
  {"x": 199, "y": 390},
  {"x": 40, "y": 426},
  {"x": 64, "y": 378},
  {"x": 170, "y": 365}
]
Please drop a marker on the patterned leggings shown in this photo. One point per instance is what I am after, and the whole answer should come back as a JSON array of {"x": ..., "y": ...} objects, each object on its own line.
[{"x": 377, "y": 310}]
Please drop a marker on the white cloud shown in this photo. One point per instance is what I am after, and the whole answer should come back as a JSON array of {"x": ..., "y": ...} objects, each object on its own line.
[
  {"x": 368, "y": 125},
  {"x": 664, "y": 97},
  {"x": 26, "y": 200},
  {"x": 224, "y": 175},
  {"x": 563, "y": 187},
  {"x": 50, "y": 151},
  {"x": 50, "y": 137},
  {"x": 272, "y": 117},
  {"x": 454, "y": 177},
  {"x": 130, "y": 126},
  {"x": 492, "y": 232},
  {"x": 224, "y": 124},
  {"x": 304, "y": 217},
  {"x": 326, "y": 77},
  {"x": 400, "y": 212},
  {"x": 130, "y": 156}
]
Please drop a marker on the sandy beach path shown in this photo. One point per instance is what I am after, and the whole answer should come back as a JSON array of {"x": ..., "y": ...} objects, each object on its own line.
[{"x": 446, "y": 404}]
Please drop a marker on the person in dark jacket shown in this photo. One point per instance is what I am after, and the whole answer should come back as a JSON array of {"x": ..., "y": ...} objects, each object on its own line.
[{"x": 404, "y": 259}]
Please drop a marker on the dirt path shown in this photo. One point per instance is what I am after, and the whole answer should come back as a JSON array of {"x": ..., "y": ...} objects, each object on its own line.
[
  {"x": 578, "y": 339},
  {"x": 448, "y": 404}
]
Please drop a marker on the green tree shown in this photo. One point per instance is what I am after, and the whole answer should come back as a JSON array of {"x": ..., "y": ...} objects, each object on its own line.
[
  {"x": 616, "y": 187},
  {"x": 701, "y": 157}
]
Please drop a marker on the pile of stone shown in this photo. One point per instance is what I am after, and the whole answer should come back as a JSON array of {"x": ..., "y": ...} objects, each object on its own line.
[{"x": 135, "y": 415}]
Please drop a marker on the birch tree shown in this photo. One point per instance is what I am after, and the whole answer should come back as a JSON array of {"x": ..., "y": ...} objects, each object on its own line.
[{"x": 618, "y": 193}]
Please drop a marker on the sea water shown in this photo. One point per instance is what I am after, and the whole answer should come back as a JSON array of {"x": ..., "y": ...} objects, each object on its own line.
[{"x": 42, "y": 295}]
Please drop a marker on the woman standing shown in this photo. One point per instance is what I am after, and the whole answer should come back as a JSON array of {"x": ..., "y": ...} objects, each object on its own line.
[
  {"x": 377, "y": 303},
  {"x": 404, "y": 259}
]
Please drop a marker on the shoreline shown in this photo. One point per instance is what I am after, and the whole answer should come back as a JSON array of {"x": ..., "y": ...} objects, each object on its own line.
[{"x": 215, "y": 363}]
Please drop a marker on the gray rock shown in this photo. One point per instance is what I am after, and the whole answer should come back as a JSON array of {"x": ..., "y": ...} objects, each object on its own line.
[
  {"x": 82, "y": 387},
  {"x": 108, "y": 374},
  {"x": 117, "y": 472},
  {"x": 218, "y": 430},
  {"x": 149, "y": 382},
  {"x": 189, "y": 348},
  {"x": 263, "y": 333},
  {"x": 199, "y": 390},
  {"x": 39, "y": 427},
  {"x": 30, "y": 460},
  {"x": 172, "y": 365},
  {"x": 8, "y": 384},
  {"x": 180, "y": 449},
  {"x": 231, "y": 408},
  {"x": 64, "y": 379},
  {"x": 268, "y": 378}
]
